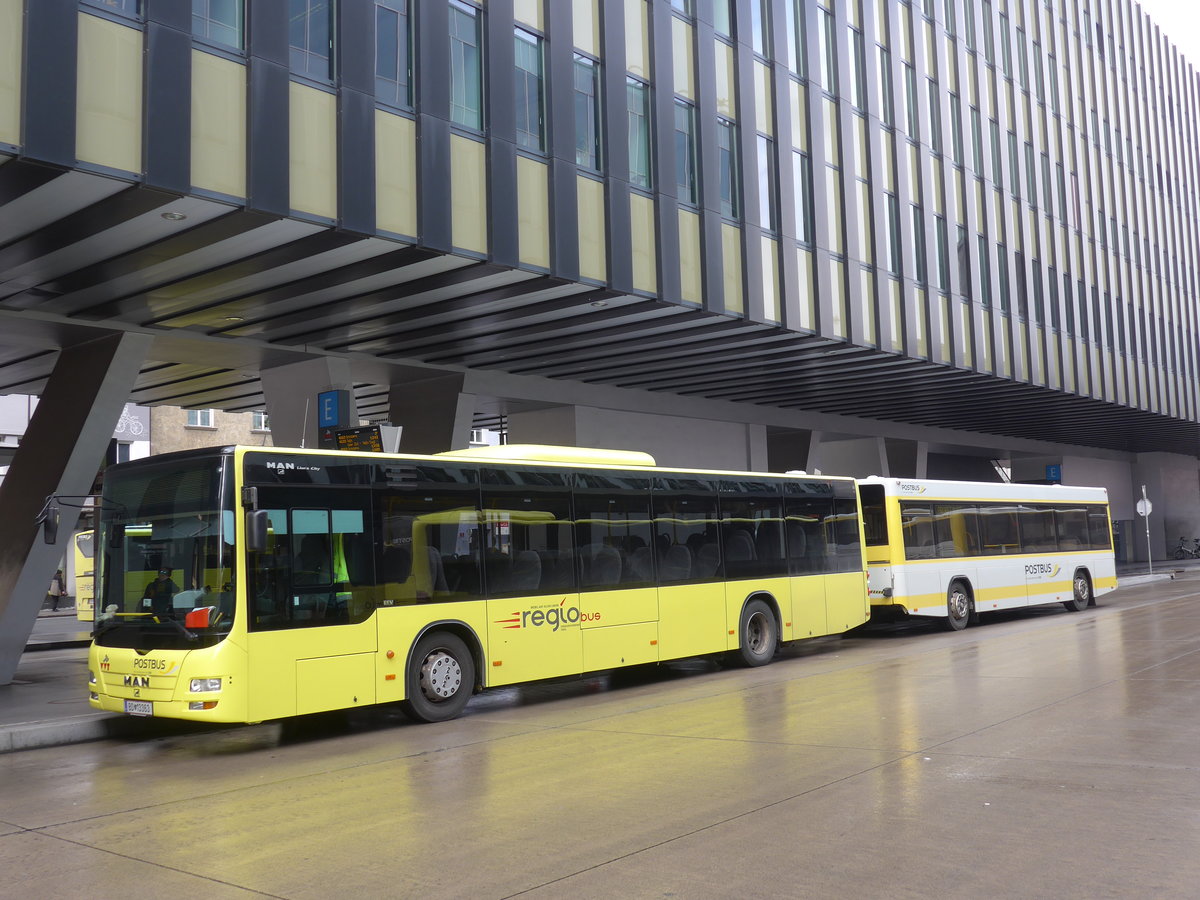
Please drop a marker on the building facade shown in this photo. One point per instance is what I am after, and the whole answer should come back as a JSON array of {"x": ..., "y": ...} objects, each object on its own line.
[{"x": 905, "y": 236}]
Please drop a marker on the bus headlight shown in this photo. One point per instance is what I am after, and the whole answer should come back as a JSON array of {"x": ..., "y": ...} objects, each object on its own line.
[
  {"x": 205, "y": 685},
  {"x": 91, "y": 677}
]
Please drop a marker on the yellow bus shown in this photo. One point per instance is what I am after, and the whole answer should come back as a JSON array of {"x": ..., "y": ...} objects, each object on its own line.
[
  {"x": 951, "y": 550},
  {"x": 84, "y": 551},
  {"x": 303, "y": 581}
]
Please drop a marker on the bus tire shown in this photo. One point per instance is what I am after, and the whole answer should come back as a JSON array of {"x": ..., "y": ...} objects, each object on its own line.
[
  {"x": 960, "y": 610},
  {"x": 758, "y": 634},
  {"x": 1081, "y": 592},
  {"x": 440, "y": 678}
]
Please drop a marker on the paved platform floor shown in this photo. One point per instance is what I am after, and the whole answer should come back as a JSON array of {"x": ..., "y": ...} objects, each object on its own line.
[{"x": 1045, "y": 754}]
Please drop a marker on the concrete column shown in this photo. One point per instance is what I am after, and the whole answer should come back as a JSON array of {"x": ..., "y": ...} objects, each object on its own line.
[
  {"x": 435, "y": 414},
  {"x": 1173, "y": 487},
  {"x": 671, "y": 440},
  {"x": 555, "y": 425},
  {"x": 59, "y": 454},
  {"x": 291, "y": 398},
  {"x": 790, "y": 450},
  {"x": 905, "y": 459},
  {"x": 859, "y": 457}
]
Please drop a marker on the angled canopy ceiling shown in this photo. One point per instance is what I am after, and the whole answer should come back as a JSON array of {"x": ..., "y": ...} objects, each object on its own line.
[{"x": 227, "y": 292}]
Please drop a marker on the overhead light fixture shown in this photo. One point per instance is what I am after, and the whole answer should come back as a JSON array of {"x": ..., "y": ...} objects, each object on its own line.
[
  {"x": 233, "y": 318},
  {"x": 599, "y": 304},
  {"x": 174, "y": 216}
]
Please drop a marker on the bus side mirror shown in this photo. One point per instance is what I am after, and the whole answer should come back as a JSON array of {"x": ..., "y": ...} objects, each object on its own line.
[
  {"x": 256, "y": 529},
  {"x": 50, "y": 525}
]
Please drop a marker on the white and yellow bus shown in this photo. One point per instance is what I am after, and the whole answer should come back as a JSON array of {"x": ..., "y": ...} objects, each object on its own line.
[
  {"x": 84, "y": 550},
  {"x": 300, "y": 581},
  {"x": 953, "y": 549}
]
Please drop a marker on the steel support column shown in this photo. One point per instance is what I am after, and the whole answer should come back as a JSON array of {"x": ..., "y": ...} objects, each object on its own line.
[{"x": 59, "y": 454}]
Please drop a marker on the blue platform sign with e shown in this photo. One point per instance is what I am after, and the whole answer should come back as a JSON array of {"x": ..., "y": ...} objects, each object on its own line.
[
  {"x": 1054, "y": 473},
  {"x": 329, "y": 409}
]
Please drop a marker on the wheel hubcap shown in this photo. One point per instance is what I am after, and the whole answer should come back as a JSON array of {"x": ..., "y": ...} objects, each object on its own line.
[
  {"x": 1081, "y": 588},
  {"x": 757, "y": 632},
  {"x": 441, "y": 676},
  {"x": 958, "y": 605}
]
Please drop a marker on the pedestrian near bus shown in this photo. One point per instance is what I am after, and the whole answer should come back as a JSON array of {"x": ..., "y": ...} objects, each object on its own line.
[{"x": 57, "y": 589}]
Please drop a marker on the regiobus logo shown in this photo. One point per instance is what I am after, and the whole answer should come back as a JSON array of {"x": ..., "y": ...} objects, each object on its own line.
[{"x": 548, "y": 615}]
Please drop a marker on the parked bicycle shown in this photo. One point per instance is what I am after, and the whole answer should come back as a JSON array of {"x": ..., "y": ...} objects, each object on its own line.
[{"x": 1188, "y": 550}]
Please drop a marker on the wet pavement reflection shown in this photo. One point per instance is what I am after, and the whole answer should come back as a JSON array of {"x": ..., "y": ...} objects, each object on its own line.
[{"x": 1042, "y": 754}]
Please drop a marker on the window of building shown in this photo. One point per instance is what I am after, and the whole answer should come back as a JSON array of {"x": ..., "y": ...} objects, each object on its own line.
[
  {"x": 466, "y": 67},
  {"x": 794, "y": 21},
  {"x": 918, "y": 266},
  {"x": 393, "y": 52},
  {"x": 587, "y": 113},
  {"x": 828, "y": 48},
  {"x": 910, "y": 99},
  {"x": 858, "y": 90},
  {"x": 260, "y": 421},
  {"x": 766, "y": 184},
  {"x": 723, "y": 17},
  {"x": 727, "y": 166},
  {"x": 802, "y": 195},
  {"x": 886, "y": 100},
  {"x": 760, "y": 27},
  {"x": 683, "y": 6},
  {"x": 200, "y": 418},
  {"x": 219, "y": 21},
  {"x": 310, "y": 36},
  {"x": 121, "y": 7},
  {"x": 943, "y": 256},
  {"x": 893, "y": 234},
  {"x": 935, "y": 116},
  {"x": 529, "y": 104},
  {"x": 685, "y": 151},
  {"x": 637, "y": 107}
]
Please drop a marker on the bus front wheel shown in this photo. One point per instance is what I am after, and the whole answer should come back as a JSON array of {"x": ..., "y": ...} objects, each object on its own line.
[
  {"x": 440, "y": 678},
  {"x": 1081, "y": 593},
  {"x": 759, "y": 634},
  {"x": 958, "y": 607}
]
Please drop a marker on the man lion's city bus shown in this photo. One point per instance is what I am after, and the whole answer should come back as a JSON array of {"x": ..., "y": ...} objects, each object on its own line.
[
  {"x": 955, "y": 549},
  {"x": 284, "y": 582}
]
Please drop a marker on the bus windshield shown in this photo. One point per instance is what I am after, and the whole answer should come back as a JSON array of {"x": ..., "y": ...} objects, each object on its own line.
[{"x": 165, "y": 556}]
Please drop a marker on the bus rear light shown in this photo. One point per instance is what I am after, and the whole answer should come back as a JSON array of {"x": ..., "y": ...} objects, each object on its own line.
[{"x": 202, "y": 704}]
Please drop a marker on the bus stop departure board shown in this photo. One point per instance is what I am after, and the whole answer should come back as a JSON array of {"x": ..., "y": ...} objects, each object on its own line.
[{"x": 366, "y": 439}]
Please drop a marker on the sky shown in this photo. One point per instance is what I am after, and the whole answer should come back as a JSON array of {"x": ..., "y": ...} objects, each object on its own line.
[{"x": 1180, "y": 19}]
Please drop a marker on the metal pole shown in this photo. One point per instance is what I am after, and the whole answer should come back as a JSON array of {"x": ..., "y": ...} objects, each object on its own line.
[{"x": 1149, "y": 552}]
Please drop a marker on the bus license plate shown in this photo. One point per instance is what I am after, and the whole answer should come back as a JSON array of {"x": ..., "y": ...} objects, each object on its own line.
[{"x": 139, "y": 707}]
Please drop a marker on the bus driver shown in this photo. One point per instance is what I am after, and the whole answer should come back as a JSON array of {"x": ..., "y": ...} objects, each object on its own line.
[{"x": 160, "y": 591}]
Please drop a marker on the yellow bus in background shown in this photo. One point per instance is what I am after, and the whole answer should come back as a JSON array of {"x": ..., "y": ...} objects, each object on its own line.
[
  {"x": 84, "y": 549},
  {"x": 951, "y": 550},
  {"x": 303, "y": 581}
]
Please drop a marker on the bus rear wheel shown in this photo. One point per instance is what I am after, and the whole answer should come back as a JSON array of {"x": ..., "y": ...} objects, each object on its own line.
[
  {"x": 959, "y": 608},
  {"x": 440, "y": 678},
  {"x": 1081, "y": 593},
  {"x": 758, "y": 634}
]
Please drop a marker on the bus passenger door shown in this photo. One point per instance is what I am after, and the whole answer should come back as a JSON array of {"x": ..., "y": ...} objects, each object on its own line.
[
  {"x": 311, "y": 594},
  {"x": 618, "y": 610},
  {"x": 618, "y": 600},
  {"x": 529, "y": 573},
  {"x": 691, "y": 592}
]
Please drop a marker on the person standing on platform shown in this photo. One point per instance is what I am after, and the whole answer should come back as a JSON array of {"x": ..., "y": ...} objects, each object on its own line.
[{"x": 57, "y": 589}]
